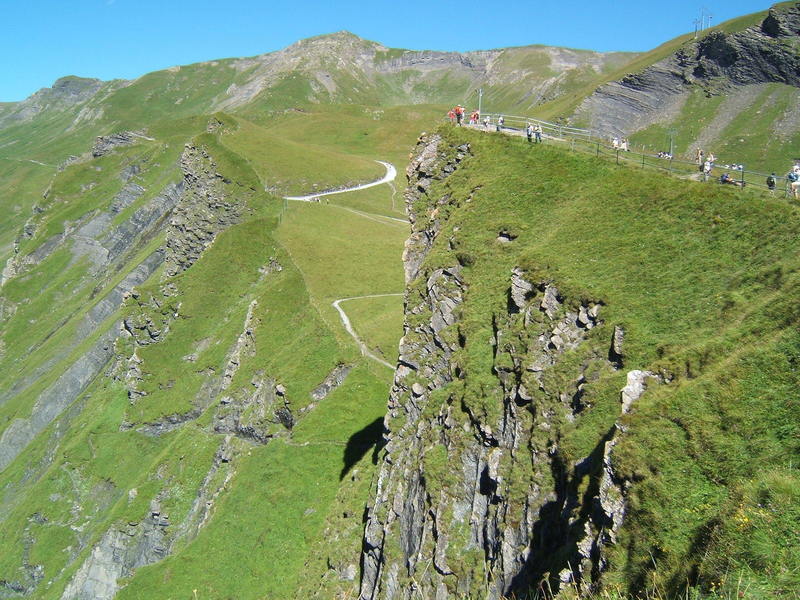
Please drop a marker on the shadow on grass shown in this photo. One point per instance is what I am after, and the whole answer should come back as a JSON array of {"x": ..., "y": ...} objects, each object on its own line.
[{"x": 361, "y": 442}]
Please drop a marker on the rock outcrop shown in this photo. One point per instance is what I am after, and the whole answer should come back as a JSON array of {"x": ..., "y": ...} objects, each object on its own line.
[
  {"x": 203, "y": 211},
  {"x": 717, "y": 63},
  {"x": 106, "y": 143},
  {"x": 55, "y": 399},
  {"x": 474, "y": 497},
  {"x": 124, "y": 548}
]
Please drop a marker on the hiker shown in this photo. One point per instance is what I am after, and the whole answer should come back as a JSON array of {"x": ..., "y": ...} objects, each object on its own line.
[
  {"x": 500, "y": 121},
  {"x": 486, "y": 122},
  {"x": 698, "y": 155},
  {"x": 615, "y": 143},
  {"x": 771, "y": 182},
  {"x": 474, "y": 118},
  {"x": 793, "y": 181},
  {"x": 624, "y": 145},
  {"x": 711, "y": 158},
  {"x": 459, "y": 115},
  {"x": 537, "y": 132},
  {"x": 529, "y": 132},
  {"x": 451, "y": 115},
  {"x": 726, "y": 178},
  {"x": 706, "y": 169}
]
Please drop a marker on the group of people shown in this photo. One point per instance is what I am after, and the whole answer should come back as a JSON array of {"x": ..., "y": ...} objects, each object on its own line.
[
  {"x": 457, "y": 113},
  {"x": 620, "y": 144},
  {"x": 705, "y": 162},
  {"x": 534, "y": 132},
  {"x": 792, "y": 180},
  {"x": 456, "y": 116}
]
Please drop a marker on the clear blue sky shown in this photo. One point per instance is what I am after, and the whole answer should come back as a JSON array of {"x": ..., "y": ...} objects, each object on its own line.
[{"x": 45, "y": 39}]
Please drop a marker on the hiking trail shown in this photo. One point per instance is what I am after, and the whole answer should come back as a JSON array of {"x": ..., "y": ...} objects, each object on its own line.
[{"x": 389, "y": 177}]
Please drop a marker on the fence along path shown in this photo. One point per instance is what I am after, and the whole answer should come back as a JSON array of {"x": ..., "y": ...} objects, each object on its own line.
[{"x": 586, "y": 141}]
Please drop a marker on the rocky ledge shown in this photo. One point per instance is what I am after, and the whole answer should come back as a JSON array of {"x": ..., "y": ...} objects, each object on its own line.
[{"x": 474, "y": 497}]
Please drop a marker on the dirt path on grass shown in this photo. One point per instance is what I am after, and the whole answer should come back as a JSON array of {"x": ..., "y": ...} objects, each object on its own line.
[
  {"x": 391, "y": 173},
  {"x": 389, "y": 177},
  {"x": 349, "y": 327}
]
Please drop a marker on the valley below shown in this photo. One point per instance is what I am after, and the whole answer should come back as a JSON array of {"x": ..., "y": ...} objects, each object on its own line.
[{"x": 273, "y": 327}]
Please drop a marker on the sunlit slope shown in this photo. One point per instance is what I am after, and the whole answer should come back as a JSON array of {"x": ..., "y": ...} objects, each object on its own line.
[
  {"x": 732, "y": 92},
  {"x": 207, "y": 419},
  {"x": 702, "y": 281}
]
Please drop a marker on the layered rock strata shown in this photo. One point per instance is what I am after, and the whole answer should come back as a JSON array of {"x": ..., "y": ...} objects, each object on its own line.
[
  {"x": 474, "y": 497},
  {"x": 764, "y": 53},
  {"x": 204, "y": 210}
]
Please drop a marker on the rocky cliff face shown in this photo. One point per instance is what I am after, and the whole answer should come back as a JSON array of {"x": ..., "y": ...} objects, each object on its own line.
[
  {"x": 718, "y": 63},
  {"x": 204, "y": 210},
  {"x": 474, "y": 497}
]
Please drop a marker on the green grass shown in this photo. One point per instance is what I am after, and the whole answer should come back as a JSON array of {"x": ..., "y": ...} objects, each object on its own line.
[
  {"x": 297, "y": 167},
  {"x": 703, "y": 281},
  {"x": 378, "y": 322},
  {"x": 333, "y": 264},
  {"x": 386, "y": 200}
]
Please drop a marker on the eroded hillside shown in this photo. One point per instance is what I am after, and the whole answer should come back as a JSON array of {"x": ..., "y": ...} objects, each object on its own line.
[{"x": 594, "y": 389}]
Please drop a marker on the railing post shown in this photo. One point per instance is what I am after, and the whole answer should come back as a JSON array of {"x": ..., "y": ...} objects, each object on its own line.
[
  {"x": 598, "y": 149},
  {"x": 742, "y": 180},
  {"x": 643, "y": 159},
  {"x": 617, "y": 155}
]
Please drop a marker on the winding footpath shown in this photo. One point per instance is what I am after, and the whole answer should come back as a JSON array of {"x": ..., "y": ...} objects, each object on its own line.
[
  {"x": 365, "y": 351},
  {"x": 389, "y": 177},
  {"x": 391, "y": 173}
]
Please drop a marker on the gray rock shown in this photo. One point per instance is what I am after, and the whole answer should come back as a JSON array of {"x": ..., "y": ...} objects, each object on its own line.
[
  {"x": 203, "y": 211},
  {"x": 521, "y": 289},
  {"x": 634, "y": 388},
  {"x": 106, "y": 143},
  {"x": 333, "y": 380},
  {"x": 52, "y": 402},
  {"x": 756, "y": 55}
]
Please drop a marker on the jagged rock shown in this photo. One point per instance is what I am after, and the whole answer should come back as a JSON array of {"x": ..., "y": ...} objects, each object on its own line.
[
  {"x": 550, "y": 302},
  {"x": 635, "y": 387},
  {"x": 520, "y": 289},
  {"x": 476, "y": 467},
  {"x": 426, "y": 165},
  {"x": 615, "y": 355},
  {"x": 253, "y": 413},
  {"x": 717, "y": 61},
  {"x": 244, "y": 345},
  {"x": 106, "y": 143},
  {"x": 334, "y": 379},
  {"x": 203, "y": 211}
]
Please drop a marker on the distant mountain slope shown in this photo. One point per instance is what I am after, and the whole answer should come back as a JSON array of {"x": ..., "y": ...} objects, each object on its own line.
[{"x": 711, "y": 90}]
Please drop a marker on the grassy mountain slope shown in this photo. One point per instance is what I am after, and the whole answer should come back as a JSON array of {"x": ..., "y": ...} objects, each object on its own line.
[
  {"x": 703, "y": 285},
  {"x": 166, "y": 320},
  {"x": 732, "y": 91},
  {"x": 297, "y": 342}
]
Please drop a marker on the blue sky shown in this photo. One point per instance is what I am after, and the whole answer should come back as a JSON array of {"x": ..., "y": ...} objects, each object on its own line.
[{"x": 45, "y": 39}]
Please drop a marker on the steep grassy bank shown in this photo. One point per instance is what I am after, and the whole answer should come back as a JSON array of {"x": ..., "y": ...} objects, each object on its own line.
[
  {"x": 702, "y": 285},
  {"x": 233, "y": 414}
]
